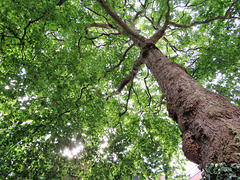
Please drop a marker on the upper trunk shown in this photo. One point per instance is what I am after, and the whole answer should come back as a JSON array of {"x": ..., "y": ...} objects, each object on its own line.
[{"x": 209, "y": 123}]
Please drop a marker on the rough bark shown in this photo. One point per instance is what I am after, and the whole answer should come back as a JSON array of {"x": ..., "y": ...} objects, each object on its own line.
[{"x": 209, "y": 122}]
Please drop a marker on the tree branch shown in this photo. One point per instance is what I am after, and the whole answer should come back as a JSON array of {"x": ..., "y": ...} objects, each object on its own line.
[
  {"x": 11, "y": 31},
  {"x": 120, "y": 62},
  {"x": 126, "y": 106},
  {"x": 227, "y": 16},
  {"x": 101, "y": 25},
  {"x": 147, "y": 92},
  {"x": 138, "y": 14},
  {"x": 138, "y": 39},
  {"x": 176, "y": 49},
  {"x": 137, "y": 98},
  {"x": 136, "y": 66},
  {"x": 61, "y": 2},
  {"x": 160, "y": 33},
  {"x": 103, "y": 34}
]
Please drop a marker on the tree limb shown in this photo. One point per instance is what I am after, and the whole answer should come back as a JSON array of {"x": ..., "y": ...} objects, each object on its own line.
[
  {"x": 103, "y": 34},
  {"x": 137, "y": 98},
  {"x": 147, "y": 91},
  {"x": 126, "y": 106},
  {"x": 12, "y": 31},
  {"x": 160, "y": 33},
  {"x": 138, "y": 14},
  {"x": 176, "y": 49},
  {"x": 130, "y": 77},
  {"x": 138, "y": 39},
  {"x": 120, "y": 62},
  {"x": 61, "y": 2},
  {"x": 227, "y": 16},
  {"x": 200, "y": 22},
  {"x": 95, "y": 12},
  {"x": 100, "y": 25}
]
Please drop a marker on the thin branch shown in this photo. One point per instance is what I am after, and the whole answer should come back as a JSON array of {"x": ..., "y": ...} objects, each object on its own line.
[
  {"x": 151, "y": 21},
  {"x": 159, "y": 19},
  {"x": 138, "y": 15},
  {"x": 11, "y": 31},
  {"x": 81, "y": 93},
  {"x": 137, "y": 97},
  {"x": 131, "y": 76},
  {"x": 227, "y": 16},
  {"x": 120, "y": 62},
  {"x": 176, "y": 49},
  {"x": 103, "y": 34},
  {"x": 101, "y": 25},
  {"x": 29, "y": 23},
  {"x": 95, "y": 12},
  {"x": 194, "y": 61},
  {"x": 61, "y": 2},
  {"x": 126, "y": 106},
  {"x": 136, "y": 37}
]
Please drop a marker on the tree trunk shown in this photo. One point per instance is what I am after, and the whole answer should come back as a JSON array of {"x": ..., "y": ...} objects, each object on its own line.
[{"x": 209, "y": 123}]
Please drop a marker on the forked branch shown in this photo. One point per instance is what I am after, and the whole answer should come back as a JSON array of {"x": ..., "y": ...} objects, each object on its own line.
[{"x": 138, "y": 39}]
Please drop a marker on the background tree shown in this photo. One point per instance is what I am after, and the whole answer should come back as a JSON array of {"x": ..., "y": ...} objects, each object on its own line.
[{"x": 72, "y": 76}]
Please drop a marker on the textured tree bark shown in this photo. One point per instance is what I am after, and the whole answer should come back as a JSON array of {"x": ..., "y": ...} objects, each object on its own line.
[{"x": 209, "y": 123}]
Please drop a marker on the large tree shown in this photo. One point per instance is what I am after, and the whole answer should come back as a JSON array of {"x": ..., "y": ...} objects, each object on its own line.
[{"x": 75, "y": 75}]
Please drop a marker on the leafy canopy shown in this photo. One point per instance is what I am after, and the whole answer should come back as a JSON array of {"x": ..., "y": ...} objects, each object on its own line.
[{"x": 61, "y": 62}]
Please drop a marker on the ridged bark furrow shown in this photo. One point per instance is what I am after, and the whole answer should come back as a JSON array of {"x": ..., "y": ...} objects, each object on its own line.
[{"x": 209, "y": 122}]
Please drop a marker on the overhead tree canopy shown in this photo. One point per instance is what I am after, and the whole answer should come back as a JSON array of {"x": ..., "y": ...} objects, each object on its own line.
[{"x": 73, "y": 79}]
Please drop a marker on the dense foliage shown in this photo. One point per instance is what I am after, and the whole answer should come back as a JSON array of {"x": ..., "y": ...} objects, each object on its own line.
[
  {"x": 222, "y": 171},
  {"x": 60, "y": 64}
]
